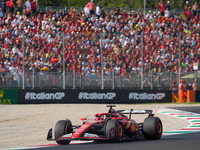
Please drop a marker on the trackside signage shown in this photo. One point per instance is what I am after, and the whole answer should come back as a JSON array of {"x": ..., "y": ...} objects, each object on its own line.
[
  {"x": 41, "y": 96},
  {"x": 146, "y": 96},
  {"x": 44, "y": 96},
  {"x": 8, "y": 96},
  {"x": 150, "y": 96},
  {"x": 197, "y": 96},
  {"x": 93, "y": 96}
]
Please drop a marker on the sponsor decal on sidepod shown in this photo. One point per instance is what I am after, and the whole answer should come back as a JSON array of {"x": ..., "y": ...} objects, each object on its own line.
[{"x": 143, "y": 96}]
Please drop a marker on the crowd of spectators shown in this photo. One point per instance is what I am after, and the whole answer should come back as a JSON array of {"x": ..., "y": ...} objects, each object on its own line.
[{"x": 121, "y": 39}]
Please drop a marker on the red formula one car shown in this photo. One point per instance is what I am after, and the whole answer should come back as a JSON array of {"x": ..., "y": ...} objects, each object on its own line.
[{"x": 112, "y": 126}]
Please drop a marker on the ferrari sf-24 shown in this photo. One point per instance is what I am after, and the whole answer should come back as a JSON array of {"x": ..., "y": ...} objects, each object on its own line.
[{"x": 112, "y": 126}]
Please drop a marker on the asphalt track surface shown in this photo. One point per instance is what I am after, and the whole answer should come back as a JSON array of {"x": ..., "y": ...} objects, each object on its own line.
[{"x": 190, "y": 141}]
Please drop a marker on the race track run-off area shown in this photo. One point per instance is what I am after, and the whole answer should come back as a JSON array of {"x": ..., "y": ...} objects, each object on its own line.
[{"x": 193, "y": 118}]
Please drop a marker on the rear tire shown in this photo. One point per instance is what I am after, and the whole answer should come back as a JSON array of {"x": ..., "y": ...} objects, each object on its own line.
[
  {"x": 62, "y": 127},
  {"x": 152, "y": 128},
  {"x": 114, "y": 130}
]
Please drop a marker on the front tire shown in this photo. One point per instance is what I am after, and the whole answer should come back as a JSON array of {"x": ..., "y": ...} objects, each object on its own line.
[
  {"x": 62, "y": 127},
  {"x": 152, "y": 128},
  {"x": 114, "y": 130}
]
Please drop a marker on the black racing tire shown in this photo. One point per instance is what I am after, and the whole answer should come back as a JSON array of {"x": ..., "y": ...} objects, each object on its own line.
[
  {"x": 114, "y": 130},
  {"x": 152, "y": 128},
  {"x": 61, "y": 128}
]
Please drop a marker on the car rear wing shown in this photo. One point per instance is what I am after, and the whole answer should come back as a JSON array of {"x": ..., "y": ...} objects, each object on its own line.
[{"x": 135, "y": 111}]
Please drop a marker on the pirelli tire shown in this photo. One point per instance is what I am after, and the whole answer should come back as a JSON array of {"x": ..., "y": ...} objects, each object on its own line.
[
  {"x": 152, "y": 128},
  {"x": 62, "y": 127},
  {"x": 114, "y": 130}
]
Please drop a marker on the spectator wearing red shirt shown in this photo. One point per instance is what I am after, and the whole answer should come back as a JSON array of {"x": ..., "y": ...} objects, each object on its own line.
[
  {"x": 6, "y": 45},
  {"x": 124, "y": 14},
  {"x": 188, "y": 14},
  {"x": 28, "y": 11},
  {"x": 11, "y": 5},
  {"x": 195, "y": 20},
  {"x": 161, "y": 6},
  {"x": 34, "y": 6},
  {"x": 91, "y": 7},
  {"x": 50, "y": 13}
]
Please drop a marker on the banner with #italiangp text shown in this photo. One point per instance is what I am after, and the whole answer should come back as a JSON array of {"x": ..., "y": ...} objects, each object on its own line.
[{"x": 107, "y": 96}]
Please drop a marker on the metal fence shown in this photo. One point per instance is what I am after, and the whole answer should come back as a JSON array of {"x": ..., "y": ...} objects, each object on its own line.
[
  {"x": 55, "y": 8},
  {"x": 129, "y": 9},
  {"x": 76, "y": 80},
  {"x": 106, "y": 9},
  {"x": 150, "y": 80},
  {"x": 147, "y": 10},
  {"x": 78, "y": 9},
  {"x": 178, "y": 10},
  {"x": 41, "y": 8},
  {"x": 109, "y": 9}
]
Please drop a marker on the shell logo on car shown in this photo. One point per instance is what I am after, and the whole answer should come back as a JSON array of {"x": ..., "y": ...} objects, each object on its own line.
[
  {"x": 85, "y": 126},
  {"x": 131, "y": 126}
]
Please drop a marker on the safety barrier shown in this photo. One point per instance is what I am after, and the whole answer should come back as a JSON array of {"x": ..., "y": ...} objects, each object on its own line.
[
  {"x": 93, "y": 96},
  {"x": 8, "y": 96},
  {"x": 197, "y": 96},
  {"x": 44, "y": 96},
  {"x": 191, "y": 96}
]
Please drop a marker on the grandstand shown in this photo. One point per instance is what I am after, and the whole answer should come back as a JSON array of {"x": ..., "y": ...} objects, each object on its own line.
[{"x": 54, "y": 32}]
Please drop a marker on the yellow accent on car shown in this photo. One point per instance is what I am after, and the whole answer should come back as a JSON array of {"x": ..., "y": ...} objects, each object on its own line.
[
  {"x": 133, "y": 127},
  {"x": 128, "y": 124}
]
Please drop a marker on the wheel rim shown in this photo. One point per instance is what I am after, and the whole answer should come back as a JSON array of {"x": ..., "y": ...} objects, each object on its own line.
[
  {"x": 120, "y": 131},
  {"x": 158, "y": 129}
]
